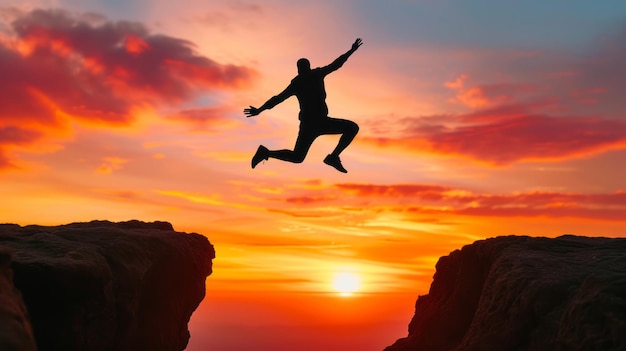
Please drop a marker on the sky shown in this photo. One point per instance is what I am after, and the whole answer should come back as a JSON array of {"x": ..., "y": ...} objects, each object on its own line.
[{"x": 477, "y": 119}]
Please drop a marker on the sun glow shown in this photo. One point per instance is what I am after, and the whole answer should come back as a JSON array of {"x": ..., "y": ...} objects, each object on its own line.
[{"x": 346, "y": 283}]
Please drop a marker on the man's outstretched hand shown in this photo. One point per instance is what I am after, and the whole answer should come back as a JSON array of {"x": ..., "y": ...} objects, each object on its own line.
[
  {"x": 358, "y": 42},
  {"x": 252, "y": 111}
]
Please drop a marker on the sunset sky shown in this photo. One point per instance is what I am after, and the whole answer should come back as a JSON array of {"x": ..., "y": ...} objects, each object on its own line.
[{"x": 477, "y": 118}]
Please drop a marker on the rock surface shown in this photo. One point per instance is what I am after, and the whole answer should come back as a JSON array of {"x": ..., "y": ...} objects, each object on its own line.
[
  {"x": 107, "y": 286},
  {"x": 523, "y": 293},
  {"x": 16, "y": 333}
]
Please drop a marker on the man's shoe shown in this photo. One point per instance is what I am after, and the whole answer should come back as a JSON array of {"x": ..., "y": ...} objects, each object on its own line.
[
  {"x": 262, "y": 153},
  {"x": 334, "y": 161}
]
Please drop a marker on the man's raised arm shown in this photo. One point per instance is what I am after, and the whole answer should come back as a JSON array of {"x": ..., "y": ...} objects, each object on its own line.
[
  {"x": 273, "y": 101},
  {"x": 339, "y": 61}
]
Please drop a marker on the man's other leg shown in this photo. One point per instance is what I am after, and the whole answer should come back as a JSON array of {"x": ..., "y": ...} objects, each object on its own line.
[{"x": 306, "y": 136}]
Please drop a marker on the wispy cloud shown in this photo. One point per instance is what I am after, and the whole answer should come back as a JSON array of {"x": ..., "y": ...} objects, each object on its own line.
[
  {"x": 438, "y": 204},
  {"x": 209, "y": 119},
  {"x": 508, "y": 134},
  {"x": 111, "y": 164}
]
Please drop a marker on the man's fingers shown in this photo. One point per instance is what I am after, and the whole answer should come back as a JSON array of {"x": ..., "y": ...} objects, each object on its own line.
[{"x": 252, "y": 111}]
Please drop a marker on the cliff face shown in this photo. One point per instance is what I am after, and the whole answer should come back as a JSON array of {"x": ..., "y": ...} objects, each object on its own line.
[
  {"x": 522, "y": 293},
  {"x": 16, "y": 333},
  {"x": 108, "y": 286}
]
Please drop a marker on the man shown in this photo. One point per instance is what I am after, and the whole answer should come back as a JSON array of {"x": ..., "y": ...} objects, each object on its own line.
[{"x": 308, "y": 87}]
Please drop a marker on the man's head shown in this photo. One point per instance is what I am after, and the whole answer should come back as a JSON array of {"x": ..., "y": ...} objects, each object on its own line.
[{"x": 303, "y": 65}]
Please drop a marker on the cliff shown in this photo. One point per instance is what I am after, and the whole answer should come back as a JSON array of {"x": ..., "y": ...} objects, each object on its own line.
[
  {"x": 100, "y": 285},
  {"x": 16, "y": 333},
  {"x": 526, "y": 294}
]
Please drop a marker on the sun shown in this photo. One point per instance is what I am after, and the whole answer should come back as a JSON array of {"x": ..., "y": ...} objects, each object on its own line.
[{"x": 346, "y": 283}]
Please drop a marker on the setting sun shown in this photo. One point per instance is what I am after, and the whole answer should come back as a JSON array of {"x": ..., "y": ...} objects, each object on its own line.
[{"x": 346, "y": 283}]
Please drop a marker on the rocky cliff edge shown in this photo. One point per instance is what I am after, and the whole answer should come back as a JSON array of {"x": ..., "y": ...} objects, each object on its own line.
[
  {"x": 524, "y": 294},
  {"x": 100, "y": 286}
]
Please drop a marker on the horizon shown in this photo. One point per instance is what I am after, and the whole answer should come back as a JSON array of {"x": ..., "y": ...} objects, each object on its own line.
[{"x": 476, "y": 120}]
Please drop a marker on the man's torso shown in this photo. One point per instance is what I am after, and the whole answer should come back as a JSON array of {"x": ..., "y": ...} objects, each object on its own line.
[{"x": 311, "y": 93}]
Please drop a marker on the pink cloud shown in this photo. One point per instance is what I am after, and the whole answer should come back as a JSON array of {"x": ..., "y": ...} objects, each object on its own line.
[
  {"x": 430, "y": 199},
  {"x": 12, "y": 137},
  {"x": 531, "y": 137},
  {"x": 209, "y": 118},
  {"x": 507, "y": 134},
  {"x": 525, "y": 212},
  {"x": 487, "y": 95},
  {"x": 309, "y": 199},
  {"x": 395, "y": 190},
  {"x": 457, "y": 83},
  {"x": 58, "y": 67}
]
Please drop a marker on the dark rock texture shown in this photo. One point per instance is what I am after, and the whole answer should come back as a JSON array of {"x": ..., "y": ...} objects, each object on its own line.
[
  {"x": 522, "y": 293},
  {"x": 109, "y": 286},
  {"x": 16, "y": 333}
]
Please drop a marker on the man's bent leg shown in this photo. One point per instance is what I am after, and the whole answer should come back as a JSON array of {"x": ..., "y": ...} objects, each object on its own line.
[
  {"x": 348, "y": 131},
  {"x": 346, "y": 128}
]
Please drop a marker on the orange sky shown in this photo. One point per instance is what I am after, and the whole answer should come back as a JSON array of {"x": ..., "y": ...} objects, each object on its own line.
[{"x": 134, "y": 111}]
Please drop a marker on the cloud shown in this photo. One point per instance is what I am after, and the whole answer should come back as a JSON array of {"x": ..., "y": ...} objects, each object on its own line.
[
  {"x": 467, "y": 197},
  {"x": 111, "y": 164},
  {"x": 429, "y": 200},
  {"x": 381, "y": 205},
  {"x": 57, "y": 68},
  {"x": 509, "y": 134},
  {"x": 309, "y": 199},
  {"x": 225, "y": 17},
  {"x": 457, "y": 83},
  {"x": 12, "y": 137},
  {"x": 207, "y": 119},
  {"x": 503, "y": 134},
  {"x": 526, "y": 212},
  {"x": 395, "y": 190}
]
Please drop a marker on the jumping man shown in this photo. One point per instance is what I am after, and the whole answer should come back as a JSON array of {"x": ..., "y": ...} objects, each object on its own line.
[{"x": 308, "y": 87}]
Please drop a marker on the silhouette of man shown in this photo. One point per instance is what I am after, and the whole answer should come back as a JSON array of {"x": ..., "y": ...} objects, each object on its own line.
[{"x": 308, "y": 87}]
